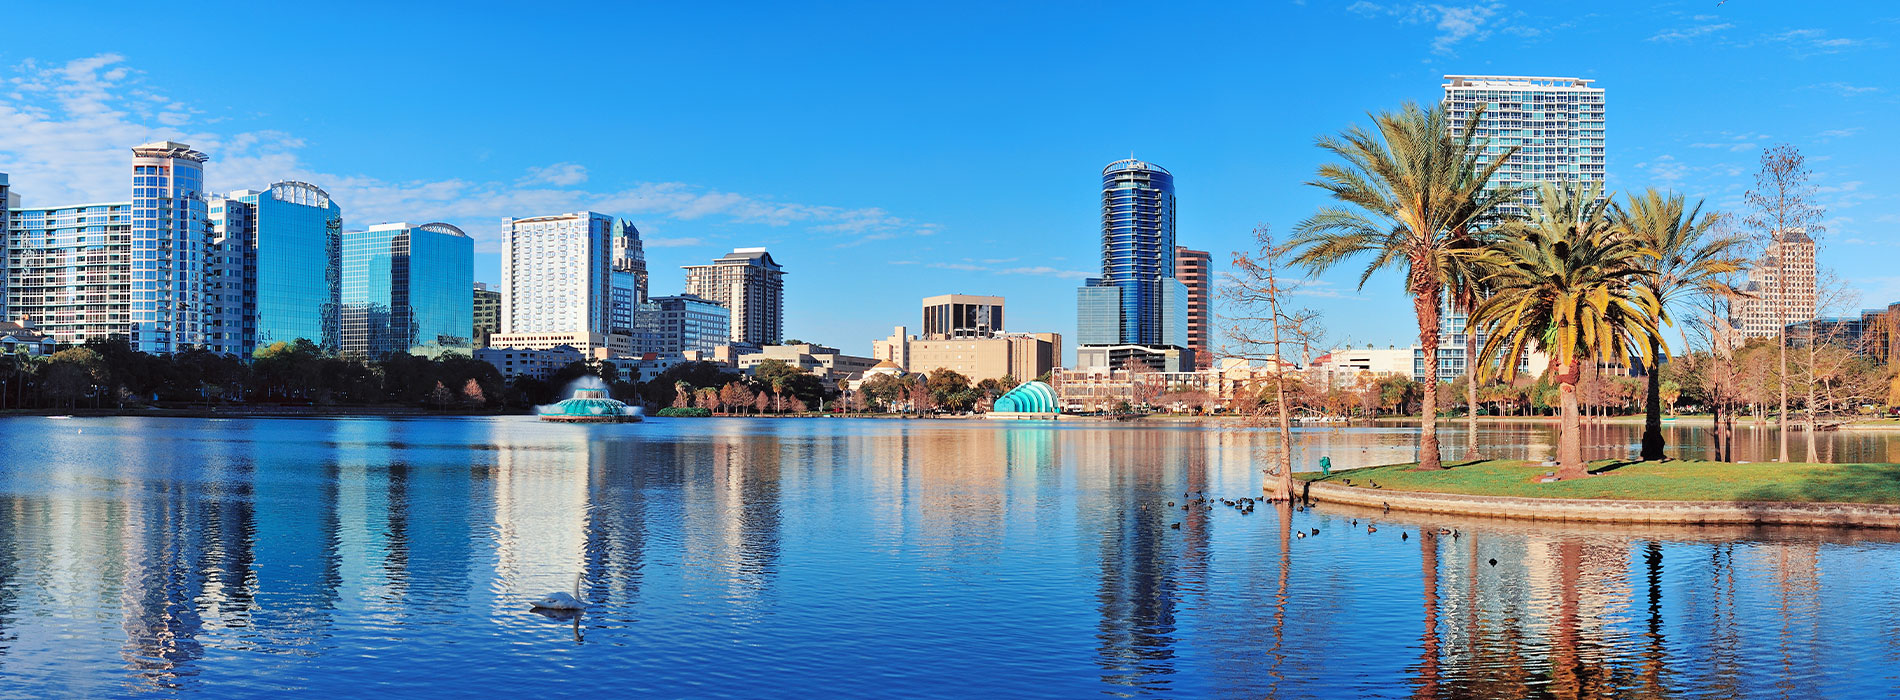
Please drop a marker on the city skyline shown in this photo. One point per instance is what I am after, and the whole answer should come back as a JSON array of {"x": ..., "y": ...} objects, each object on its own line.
[{"x": 867, "y": 208}]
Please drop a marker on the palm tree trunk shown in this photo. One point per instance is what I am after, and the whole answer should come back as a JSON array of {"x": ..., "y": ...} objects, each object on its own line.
[
  {"x": 1425, "y": 300},
  {"x": 1471, "y": 390},
  {"x": 1652, "y": 416},
  {"x": 1570, "y": 440}
]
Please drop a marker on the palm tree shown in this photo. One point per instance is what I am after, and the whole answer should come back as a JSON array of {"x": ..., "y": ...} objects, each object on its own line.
[
  {"x": 1568, "y": 282},
  {"x": 1412, "y": 196},
  {"x": 1691, "y": 262}
]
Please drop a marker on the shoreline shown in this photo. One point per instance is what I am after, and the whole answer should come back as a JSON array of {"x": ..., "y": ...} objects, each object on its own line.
[{"x": 1592, "y": 510}]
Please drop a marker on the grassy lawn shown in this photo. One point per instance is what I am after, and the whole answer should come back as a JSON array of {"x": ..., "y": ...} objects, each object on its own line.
[{"x": 1675, "y": 480}]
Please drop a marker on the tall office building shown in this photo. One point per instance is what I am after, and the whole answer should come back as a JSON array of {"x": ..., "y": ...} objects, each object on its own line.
[
  {"x": 1556, "y": 124},
  {"x": 750, "y": 285},
  {"x": 1773, "y": 303},
  {"x": 559, "y": 285},
  {"x": 6, "y": 203},
  {"x": 406, "y": 289},
  {"x": 1137, "y": 302},
  {"x": 487, "y": 313},
  {"x": 288, "y": 240},
  {"x": 69, "y": 269},
  {"x": 231, "y": 279},
  {"x": 171, "y": 239},
  {"x": 681, "y": 323},
  {"x": 962, "y": 316},
  {"x": 1195, "y": 269},
  {"x": 630, "y": 256}
]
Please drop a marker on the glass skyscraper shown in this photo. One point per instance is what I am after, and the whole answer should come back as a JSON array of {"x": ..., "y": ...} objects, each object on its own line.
[
  {"x": 1137, "y": 300},
  {"x": 170, "y": 241},
  {"x": 285, "y": 244},
  {"x": 406, "y": 289},
  {"x": 1556, "y": 124}
]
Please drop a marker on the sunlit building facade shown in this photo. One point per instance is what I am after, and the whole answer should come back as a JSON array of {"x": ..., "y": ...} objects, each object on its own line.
[
  {"x": 405, "y": 290},
  {"x": 681, "y": 323},
  {"x": 751, "y": 285},
  {"x": 170, "y": 242},
  {"x": 1556, "y": 124},
  {"x": 1195, "y": 270},
  {"x": 558, "y": 277},
  {"x": 68, "y": 269}
]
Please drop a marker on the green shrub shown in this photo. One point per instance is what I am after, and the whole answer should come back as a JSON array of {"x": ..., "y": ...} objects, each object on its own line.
[{"x": 670, "y": 412}]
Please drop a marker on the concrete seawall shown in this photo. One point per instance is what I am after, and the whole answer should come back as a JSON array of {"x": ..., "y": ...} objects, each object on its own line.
[{"x": 1606, "y": 511}]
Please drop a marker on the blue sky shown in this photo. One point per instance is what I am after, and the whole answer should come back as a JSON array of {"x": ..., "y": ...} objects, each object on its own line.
[{"x": 890, "y": 151}]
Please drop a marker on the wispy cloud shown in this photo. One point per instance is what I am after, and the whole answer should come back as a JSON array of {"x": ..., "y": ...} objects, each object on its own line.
[
  {"x": 1454, "y": 23},
  {"x": 1809, "y": 42},
  {"x": 1034, "y": 271},
  {"x": 669, "y": 242},
  {"x": 1845, "y": 89},
  {"x": 66, "y": 132},
  {"x": 558, "y": 174},
  {"x": 1691, "y": 32}
]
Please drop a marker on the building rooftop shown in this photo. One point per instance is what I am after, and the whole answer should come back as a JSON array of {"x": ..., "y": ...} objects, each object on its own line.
[
  {"x": 1132, "y": 164},
  {"x": 168, "y": 149}
]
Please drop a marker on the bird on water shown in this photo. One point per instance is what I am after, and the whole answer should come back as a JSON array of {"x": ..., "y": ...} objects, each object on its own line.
[{"x": 562, "y": 600}]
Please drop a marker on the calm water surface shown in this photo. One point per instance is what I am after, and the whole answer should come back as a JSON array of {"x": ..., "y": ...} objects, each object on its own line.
[{"x": 868, "y": 558}]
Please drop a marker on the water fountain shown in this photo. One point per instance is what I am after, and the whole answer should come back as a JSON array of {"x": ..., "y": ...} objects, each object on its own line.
[{"x": 588, "y": 403}]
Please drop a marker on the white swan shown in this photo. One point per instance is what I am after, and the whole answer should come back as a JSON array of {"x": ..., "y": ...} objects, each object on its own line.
[{"x": 561, "y": 600}]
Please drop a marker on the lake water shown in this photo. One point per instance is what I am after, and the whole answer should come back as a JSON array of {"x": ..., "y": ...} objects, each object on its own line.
[{"x": 868, "y": 558}]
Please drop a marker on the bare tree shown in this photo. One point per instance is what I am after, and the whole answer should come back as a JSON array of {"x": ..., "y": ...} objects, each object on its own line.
[
  {"x": 1262, "y": 328},
  {"x": 1783, "y": 204},
  {"x": 1826, "y": 359}
]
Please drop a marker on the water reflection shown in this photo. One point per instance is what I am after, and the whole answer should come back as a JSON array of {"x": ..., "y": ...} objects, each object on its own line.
[{"x": 866, "y": 558}]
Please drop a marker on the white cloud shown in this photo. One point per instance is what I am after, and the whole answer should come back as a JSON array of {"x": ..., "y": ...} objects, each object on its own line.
[
  {"x": 1809, "y": 42},
  {"x": 669, "y": 242},
  {"x": 1845, "y": 89},
  {"x": 1035, "y": 270},
  {"x": 558, "y": 174},
  {"x": 1690, "y": 32},
  {"x": 1455, "y": 23},
  {"x": 66, "y": 133}
]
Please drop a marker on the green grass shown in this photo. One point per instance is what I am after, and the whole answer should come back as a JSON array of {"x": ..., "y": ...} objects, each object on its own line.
[{"x": 1674, "y": 480}]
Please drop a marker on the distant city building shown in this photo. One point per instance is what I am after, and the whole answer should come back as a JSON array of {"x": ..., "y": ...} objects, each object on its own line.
[
  {"x": 280, "y": 259},
  {"x": 1023, "y": 356},
  {"x": 1772, "y": 303},
  {"x": 522, "y": 362},
  {"x": 751, "y": 286},
  {"x": 895, "y": 349},
  {"x": 1344, "y": 366},
  {"x": 558, "y": 279},
  {"x": 1137, "y": 301},
  {"x": 1195, "y": 269},
  {"x": 829, "y": 364},
  {"x": 962, "y": 316},
  {"x": 69, "y": 270},
  {"x": 1557, "y": 125},
  {"x": 6, "y": 203},
  {"x": 406, "y": 290},
  {"x": 630, "y": 257},
  {"x": 487, "y": 313},
  {"x": 170, "y": 244},
  {"x": 682, "y": 323},
  {"x": 1148, "y": 357}
]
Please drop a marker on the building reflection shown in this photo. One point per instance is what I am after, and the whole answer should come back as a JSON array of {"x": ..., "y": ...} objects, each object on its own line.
[
  {"x": 730, "y": 500},
  {"x": 1145, "y": 563}
]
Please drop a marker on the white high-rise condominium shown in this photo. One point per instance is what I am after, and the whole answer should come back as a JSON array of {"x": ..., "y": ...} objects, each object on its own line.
[
  {"x": 1555, "y": 123},
  {"x": 558, "y": 283}
]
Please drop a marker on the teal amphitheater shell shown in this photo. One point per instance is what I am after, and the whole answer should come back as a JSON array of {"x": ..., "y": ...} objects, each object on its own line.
[{"x": 1029, "y": 397}]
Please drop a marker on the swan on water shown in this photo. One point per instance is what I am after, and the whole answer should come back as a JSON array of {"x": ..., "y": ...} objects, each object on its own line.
[{"x": 562, "y": 600}]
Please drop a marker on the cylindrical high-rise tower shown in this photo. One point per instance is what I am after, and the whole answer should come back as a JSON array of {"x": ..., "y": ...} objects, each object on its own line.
[{"x": 1138, "y": 245}]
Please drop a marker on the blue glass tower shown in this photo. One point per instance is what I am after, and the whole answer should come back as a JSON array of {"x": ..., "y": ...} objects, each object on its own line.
[
  {"x": 405, "y": 289},
  {"x": 1137, "y": 300},
  {"x": 277, "y": 268}
]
